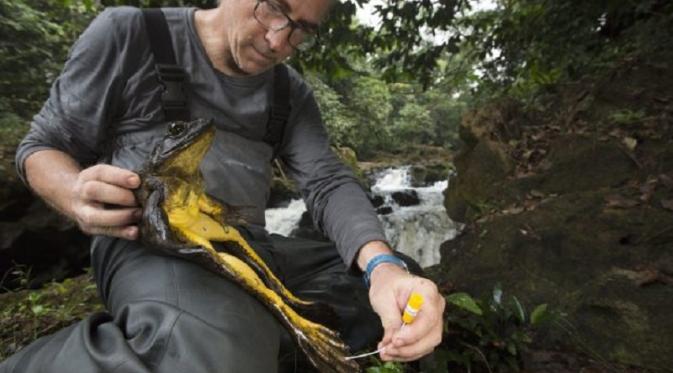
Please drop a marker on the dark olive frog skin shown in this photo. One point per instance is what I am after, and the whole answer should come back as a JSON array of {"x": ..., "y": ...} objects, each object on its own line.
[{"x": 179, "y": 218}]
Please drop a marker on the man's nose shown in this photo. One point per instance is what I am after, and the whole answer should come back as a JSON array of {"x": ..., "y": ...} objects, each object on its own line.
[{"x": 279, "y": 40}]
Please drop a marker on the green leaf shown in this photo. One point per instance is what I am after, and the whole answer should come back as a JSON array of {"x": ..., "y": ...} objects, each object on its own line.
[
  {"x": 511, "y": 348},
  {"x": 464, "y": 301},
  {"x": 33, "y": 298},
  {"x": 518, "y": 309},
  {"x": 389, "y": 367},
  {"x": 539, "y": 314},
  {"x": 38, "y": 310}
]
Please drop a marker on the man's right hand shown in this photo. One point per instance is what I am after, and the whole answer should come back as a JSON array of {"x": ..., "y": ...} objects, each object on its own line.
[
  {"x": 103, "y": 202},
  {"x": 99, "y": 199}
]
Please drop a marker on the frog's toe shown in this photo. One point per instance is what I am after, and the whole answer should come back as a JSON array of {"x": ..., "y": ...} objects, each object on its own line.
[{"x": 326, "y": 351}]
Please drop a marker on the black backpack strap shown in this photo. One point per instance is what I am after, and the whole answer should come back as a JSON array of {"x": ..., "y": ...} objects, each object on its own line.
[
  {"x": 280, "y": 109},
  {"x": 171, "y": 76}
]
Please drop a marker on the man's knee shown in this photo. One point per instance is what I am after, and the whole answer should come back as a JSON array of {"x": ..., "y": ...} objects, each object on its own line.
[{"x": 168, "y": 339}]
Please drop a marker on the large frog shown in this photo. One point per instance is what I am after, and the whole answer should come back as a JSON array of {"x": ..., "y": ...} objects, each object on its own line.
[{"x": 181, "y": 219}]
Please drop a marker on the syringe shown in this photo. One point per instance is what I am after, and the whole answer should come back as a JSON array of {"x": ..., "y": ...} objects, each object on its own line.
[{"x": 408, "y": 316}]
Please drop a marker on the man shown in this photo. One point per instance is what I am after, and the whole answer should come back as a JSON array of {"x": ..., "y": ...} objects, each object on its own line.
[{"x": 166, "y": 314}]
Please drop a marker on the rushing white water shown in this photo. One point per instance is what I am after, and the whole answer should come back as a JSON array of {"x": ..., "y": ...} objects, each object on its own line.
[
  {"x": 283, "y": 220},
  {"x": 417, "y": 230}
]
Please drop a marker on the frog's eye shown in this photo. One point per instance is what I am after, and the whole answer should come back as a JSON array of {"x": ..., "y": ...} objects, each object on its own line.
[{"x": 176, "y": 129}]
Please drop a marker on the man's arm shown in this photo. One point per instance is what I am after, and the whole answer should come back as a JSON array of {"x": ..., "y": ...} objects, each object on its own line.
[
  {"x": 99, "y": 199},
  {"x": 71, "y": 128},
  {"x": 341, "y": 208},
  {"x": 390, "y": 289}
]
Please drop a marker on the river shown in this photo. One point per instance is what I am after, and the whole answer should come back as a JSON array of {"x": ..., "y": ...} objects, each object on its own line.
[{"x": 417, "y": 229}]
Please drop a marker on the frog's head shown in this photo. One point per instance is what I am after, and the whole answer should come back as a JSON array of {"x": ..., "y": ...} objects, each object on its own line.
[{"x": 182, "y": 148}]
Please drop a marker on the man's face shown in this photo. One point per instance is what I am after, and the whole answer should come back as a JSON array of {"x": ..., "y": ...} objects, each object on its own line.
[{"x": 255, "y": 48}]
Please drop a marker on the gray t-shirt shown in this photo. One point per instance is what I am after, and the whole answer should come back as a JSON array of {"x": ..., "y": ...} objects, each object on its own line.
[{"x": 105, "y": 107}]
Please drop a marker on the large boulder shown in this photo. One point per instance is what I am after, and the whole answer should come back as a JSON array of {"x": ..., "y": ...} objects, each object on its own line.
[
  {"x": 609, "y": 269},
  {"x": 570, "y": 209},
  {"x": 39, "y": 245},
  {"x": 427, "y": 174}
]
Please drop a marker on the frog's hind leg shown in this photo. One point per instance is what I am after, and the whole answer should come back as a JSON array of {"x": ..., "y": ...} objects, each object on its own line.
[
  {"x": 322, "y": 345},
  {"x": 212, "y": 210},
  {"x": 315, "y": 311}
]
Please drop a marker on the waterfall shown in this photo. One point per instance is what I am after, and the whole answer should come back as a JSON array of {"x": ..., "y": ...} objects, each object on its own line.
[
  {"x": 283, "y": 220},
  {"x": 416, "y": 228}
]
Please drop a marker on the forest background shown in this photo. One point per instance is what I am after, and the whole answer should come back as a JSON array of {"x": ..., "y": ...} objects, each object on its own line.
[{"x": 406, "y": 80}]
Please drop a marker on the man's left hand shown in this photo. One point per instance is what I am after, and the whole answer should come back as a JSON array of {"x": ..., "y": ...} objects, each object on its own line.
[{"x": 390, "y": 289}]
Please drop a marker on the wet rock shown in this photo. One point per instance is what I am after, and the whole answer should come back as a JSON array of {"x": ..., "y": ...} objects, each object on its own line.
[
  {"x": 578, "y": 163},
  {"x": 406, "y": 198},
  {"x": 282, "y": 192},
  {"x": 481, "y": 170},
  {"x": 571, "y": 255},
  {"x": 541, "y": 199},
  {"x": 376, "y": 200},
  {"x": 385, "y": 210},
  {"x": 423, "y": 175},
  {"x": 44, "y": 243}
]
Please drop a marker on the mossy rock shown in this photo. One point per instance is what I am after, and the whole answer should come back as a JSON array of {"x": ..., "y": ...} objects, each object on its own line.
[
  {"x": 577, "y": 163},
  {"x": 606, "y": 268},
  {"x": 428, "y": 174},
  {"x": 478, "y": 187},
  {"x": 283, "y": 190},
  {"x": 349, "y": 158}
]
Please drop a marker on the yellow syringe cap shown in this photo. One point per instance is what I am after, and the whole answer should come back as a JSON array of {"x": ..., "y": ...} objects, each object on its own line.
[{"x": 413, "y": 306}]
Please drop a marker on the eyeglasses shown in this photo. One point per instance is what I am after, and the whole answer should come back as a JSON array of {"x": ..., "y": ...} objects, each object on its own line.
[{"x": 272, "y": 17}]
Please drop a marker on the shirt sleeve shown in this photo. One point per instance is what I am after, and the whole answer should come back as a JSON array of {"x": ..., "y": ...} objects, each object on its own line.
[
  {"x": 82, "y": 100},
  {"x": 338, "y": 204}
]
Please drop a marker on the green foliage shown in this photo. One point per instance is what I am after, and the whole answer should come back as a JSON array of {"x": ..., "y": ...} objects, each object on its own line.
[
  {"x": 341, "y": 41},
  {"x": 205, "y": 4},
  {"x": 429, "y": 116},
  {"x": 388, "y": 367},
  {"x": 369, "y": 115},
  {"x": 30, "y": 42},
  {"x": 626, "y": 117},
  {"x": 12, "y": 129},
  {"x": 340, "y": 123},
  {"x": 526, "y": 46},
  {"x": 414, "y": 122},
  {"x": 36, "y": 37},
  {"x": 407, "y": 80},
  {"x": 403, "y": 36},
  {"x": 26, "y": 315},
  {"x": 369, "y": 102},
  {"x": 521, "y": 46},
  {"x": 465, "y": 302},
  {"x": 492, "y": 331}
]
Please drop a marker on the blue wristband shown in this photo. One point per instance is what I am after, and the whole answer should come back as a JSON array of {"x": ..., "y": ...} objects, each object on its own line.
[{"x": 380, "y": 259}]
